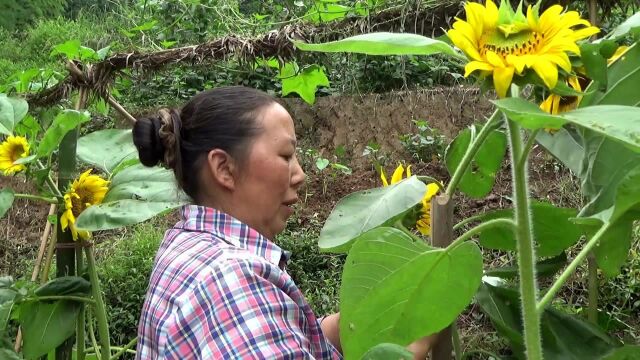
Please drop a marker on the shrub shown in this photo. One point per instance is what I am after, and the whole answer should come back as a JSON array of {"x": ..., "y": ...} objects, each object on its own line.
[{"x": 124, "y": 268}]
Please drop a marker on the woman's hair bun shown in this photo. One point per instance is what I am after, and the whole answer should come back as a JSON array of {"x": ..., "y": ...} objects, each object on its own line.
[{"x": 157, "y": 138}]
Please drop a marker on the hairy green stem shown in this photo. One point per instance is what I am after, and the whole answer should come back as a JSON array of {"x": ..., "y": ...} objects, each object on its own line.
[
  {"x": 457, "y": 348},
  {"x": 49, "y": 180},
  {"x": 101, "y": 312},
  {"x": 37, "y": 198},
  {"x": 524, "y": 238},
  {"x": 571, "y": 268},
  {"x": 468, "y": 220},
  {"x": 482, "y": 227},
  {"x": 472, "y": 150},
  {"x": 528, "y": 146},
  {"x": 126, "y": 348},
  {"x": 592, "y": 306},
  {"x": 80, "y": 332},
  {"x": 92, "y": 335}
]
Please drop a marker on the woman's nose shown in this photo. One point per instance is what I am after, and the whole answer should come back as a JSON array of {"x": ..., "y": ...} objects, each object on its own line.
[{"x": 298, "y": 176}]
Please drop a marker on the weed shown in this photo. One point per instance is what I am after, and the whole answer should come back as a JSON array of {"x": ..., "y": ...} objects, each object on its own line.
[{"x": 426, "y": 145}]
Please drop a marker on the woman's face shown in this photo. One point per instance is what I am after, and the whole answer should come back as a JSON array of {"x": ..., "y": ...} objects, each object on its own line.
[{"x": 268, "y": 184}]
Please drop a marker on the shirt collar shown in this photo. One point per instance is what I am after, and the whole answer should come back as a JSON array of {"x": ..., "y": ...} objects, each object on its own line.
[{"x": 232, "y": 231}]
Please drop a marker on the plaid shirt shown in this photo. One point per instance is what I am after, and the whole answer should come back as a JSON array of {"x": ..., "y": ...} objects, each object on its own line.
[{"x": 217, "y": 291}]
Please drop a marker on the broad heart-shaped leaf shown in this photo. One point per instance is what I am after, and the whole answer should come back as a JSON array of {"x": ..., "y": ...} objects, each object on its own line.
[
  {"x": 64, "y": 122},
  {"x": 552, "y": 229},
  {"x": 386, "y": 351},
  {"x": 139, "y": 182},
  {"x": 627, "y": 198},
  {"x": 479, "y": 178},
  {"x": 383, "y": 43},
  {"x": 66, "y": 285},
  {"x": 364, "y": 210},
  {"x": 627, "y": 352},
  {"x": 617, "y": 122},
  {"x": 390, "y": 288},
  {"x": 304, "y": 83},
  {"x": 563, "y": 336},
  {"x": 12, "y": 110},
  {"x": 117, "y": 214},
  {"x": 46, "y": 325},
  {"x": 6, "y": 200},
  {"x": 106, "y": 148}
]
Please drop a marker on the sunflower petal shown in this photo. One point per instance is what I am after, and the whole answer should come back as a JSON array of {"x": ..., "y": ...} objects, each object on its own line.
[
  {"x": 383, "y": 177},
  {"x": 502, "y": 80},
  {"x": 397, "y": 174},
  {"x": 409, "y": 171},
  {"x": 432, "y": 189},
  {"x": 547, "y": 72},
  {"x": 476, "y": 65}
]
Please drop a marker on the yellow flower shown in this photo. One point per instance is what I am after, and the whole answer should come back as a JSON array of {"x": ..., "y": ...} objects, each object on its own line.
[
  {"x": 85, "y": 191},
  {"x": 619, "y": 52},
  {"x": 12, "y": 149},
  {"x": 502, "y": 42},
  {"x": 424, "y": 223},
  {"x": 555, "y": 104}
]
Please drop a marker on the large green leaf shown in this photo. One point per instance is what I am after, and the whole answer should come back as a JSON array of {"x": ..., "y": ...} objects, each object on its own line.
[
  {"x": 139, "y": 182},
  {"x": 364, "y": 210},
  {"x": 544, "y": 268},
  {"x": 66, "y": 121},
  {"x": 391, "y": 286},
  {"x": 46, "y": 325},
  {"x": 613, "y": 249},
  {"x": 6, "y": 200},
  {"x": 617, "y": 122},
  {"x": 304, "y": 83},
  {"x": 626, "y": 198},
  {"x": 106, "y": 148},
  {"x": 12, "y": 110},
  {"x": 552, "y": 230},
  {"x": 632, "y": 24},
  {"x": 383, "y": 43},
  {"x": 65, "y": 285},
  {"x": 479, "y": 178},
  {"x": 627, "y": 352},
  {"x": 388, "y": 351},
  {"x": 117, "y": 214},
  {"x": 563, "y": 336}
]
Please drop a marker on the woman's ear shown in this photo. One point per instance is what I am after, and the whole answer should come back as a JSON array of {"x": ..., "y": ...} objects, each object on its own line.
[{"x": 221, "y": 167}]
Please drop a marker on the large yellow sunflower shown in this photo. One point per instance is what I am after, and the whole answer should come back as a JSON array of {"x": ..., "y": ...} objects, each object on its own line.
[
  {"x": 424, "y": 222},
  {"x": 85, "y": 191},
  {"x": 503, "y": 42},
  {"x": 12, "y": 149},
  {"x": 555, "y": 104}
]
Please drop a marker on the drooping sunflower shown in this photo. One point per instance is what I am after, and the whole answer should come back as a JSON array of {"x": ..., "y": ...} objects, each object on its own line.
[
  {"x": 503, "y": 42},
  {"x": 424, "y": 222},
  {"x": 555, "y": 104},
  {"x": 85, "y": 191},
  {"x": 12, "y": 149}
]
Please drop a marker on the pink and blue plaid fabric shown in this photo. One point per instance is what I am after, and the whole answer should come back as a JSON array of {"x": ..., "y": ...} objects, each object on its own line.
[{"x": 217, "y": 291}]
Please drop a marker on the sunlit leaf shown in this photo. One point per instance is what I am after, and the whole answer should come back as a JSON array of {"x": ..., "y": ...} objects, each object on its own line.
[
  {"x": 383, "y": 43},
  {"x": 121, "y": 213},
  {"x": 632, "y": 24},
  {"x": 12, "y": 111},
  {"x": 364, "y": 210},
  {"x": 106, "y": 148},
  {"x": 66, "y": 121},
  {"x": 304, "y": 83},
  {"x": 6, "y": 200},
  {"x": 387, "y": 351}
]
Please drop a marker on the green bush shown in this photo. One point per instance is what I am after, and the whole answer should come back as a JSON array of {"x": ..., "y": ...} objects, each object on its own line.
[
  {"x": 18, "y": 14},
  {"x": 124, "y": 268}
]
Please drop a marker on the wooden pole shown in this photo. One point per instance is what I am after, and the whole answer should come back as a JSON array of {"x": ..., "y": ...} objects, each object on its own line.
[{"x": 442, "y": 236}]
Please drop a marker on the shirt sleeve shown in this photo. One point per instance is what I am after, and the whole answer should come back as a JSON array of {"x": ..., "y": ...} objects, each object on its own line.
[{"x": 239, "y": 313}]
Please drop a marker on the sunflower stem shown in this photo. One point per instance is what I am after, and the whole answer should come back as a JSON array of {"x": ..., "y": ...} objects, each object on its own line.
[
  {"x": 65, "y": 257},
  {"x": 101, "y": 312},
  {"x": 472, "y": 150},
  {"x": 569, "y": 270},
  {"x": 37, "y": 198},
  {"x": 524, "y": 238},
  {"x": 80, "y": 330}
]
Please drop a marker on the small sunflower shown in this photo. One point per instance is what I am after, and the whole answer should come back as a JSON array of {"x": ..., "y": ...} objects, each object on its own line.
[
  {"x": 555, "y": 104},
  {"x": 85, "y": 191},
  {"x": 12, "y": 149},
  {"x": 424, "y": 222},
  {"x": 503, "y": 42}
]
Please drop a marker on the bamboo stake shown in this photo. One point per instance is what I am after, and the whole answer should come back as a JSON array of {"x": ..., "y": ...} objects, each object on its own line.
[
  {"x": 120, "y": 109},
  {"x": 442, "y": 236}
]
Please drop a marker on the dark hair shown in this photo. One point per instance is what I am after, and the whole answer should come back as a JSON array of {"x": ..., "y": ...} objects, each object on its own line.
[{"x": 222, "y": 118}]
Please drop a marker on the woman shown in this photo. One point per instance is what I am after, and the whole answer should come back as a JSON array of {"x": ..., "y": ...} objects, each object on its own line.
[{"x": 219, "y": 289}]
